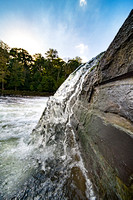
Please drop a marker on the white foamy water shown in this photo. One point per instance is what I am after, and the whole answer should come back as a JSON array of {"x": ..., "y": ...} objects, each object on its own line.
[
  {"x": 57, "y": 134},
  {"x": 18, "y": 116}
]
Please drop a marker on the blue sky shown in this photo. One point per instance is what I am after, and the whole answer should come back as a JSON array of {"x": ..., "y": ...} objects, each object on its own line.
[{"x": 74, "y": 27}]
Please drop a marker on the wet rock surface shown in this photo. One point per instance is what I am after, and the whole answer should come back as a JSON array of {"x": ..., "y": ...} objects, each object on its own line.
[
  {"x": 104, "y": 117},
  {"x": 118, "y": 60}
]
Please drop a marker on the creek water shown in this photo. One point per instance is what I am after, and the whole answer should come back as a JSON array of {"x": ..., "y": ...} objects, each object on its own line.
[{"x": 47, "y": 164}]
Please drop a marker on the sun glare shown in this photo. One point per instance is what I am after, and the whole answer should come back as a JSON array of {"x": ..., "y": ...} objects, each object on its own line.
[{"x": 23, "y": 39}]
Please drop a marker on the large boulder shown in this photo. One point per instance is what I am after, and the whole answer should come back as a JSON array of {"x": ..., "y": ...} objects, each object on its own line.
[{"x": 104, "y": 116}]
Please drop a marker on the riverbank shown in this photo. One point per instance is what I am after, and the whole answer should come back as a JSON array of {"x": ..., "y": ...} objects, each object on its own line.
[{"x": 24, "y": 93}]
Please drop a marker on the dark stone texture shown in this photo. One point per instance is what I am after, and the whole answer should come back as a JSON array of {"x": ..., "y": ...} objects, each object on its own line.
[
  {"x": 108, "y": 154},
  {"x": 103, "y": 118},
  {"x": 118, "y": 59},
  {"x": 114, "y": 145},
  {"x": 116, "y": 97}
]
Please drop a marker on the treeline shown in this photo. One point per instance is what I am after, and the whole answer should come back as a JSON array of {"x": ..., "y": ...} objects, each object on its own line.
[{"x": 21, "y": 71}]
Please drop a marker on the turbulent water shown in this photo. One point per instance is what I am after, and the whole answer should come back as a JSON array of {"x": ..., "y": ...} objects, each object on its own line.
[
  {"x": 50, "y": 166},
  {"x": 18, "y": 116}
]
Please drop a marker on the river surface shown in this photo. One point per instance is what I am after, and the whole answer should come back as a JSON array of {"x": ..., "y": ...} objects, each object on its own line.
[{"x": 18, "y": 117}]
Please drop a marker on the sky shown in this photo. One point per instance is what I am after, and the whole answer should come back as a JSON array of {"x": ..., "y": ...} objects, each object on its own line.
[{"x": 82, "y": 28}]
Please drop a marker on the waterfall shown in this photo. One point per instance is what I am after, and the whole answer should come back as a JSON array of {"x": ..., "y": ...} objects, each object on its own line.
[
  {"x": 58, "y": 150},
  {"x": 59, "y": 171}
]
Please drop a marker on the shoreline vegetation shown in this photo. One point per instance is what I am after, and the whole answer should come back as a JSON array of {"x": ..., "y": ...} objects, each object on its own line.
[
  {"x": 24, "y": 93},
  {"x": 25, "y": 74}
]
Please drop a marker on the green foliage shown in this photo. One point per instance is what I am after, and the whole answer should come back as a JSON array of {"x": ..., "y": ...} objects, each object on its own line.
[
  {"x": 51, "y": 54},
  {"x": 71, "y": 66},
  {"x": 31, "y": 88},
  {"x": 4, "y": 58},
  {"x": 48, "y": 84},
  {"x": 39, "y": 88},
  {"x": 21, "y": 71},
  {"x": 16, "y": 78}
]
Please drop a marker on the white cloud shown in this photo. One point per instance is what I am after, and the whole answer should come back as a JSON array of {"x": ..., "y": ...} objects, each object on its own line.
[
  {"x": 83, "y": 51},
  {"x": 17, "y": 37},
  {"x": 19, "y": 34},
  {"x": 38, "y": 37},
  {"x": 84, "y": 59},
  {"x": 82, "y": 48},
  {"x": 83, "y": 3}
]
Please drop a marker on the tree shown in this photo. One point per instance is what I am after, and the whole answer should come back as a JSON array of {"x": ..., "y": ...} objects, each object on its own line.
[
  {"x": 58, "y": 71},
  {"x": 51, "y": 54},
  {"x": 48, "y": 84},
  {"x": 20, "y": 71},
  {"x": 39, "y": 63},
  {"x": 72, "y": 64},
  {"x": 4, "y": 58},
  {"x": 16, "y": 79},
  {"x": 55, "y": 67},
  {"x": 37, "y": 72},
  {"x": 78, "y": 59},
  {"x": 26, "y": 61}
]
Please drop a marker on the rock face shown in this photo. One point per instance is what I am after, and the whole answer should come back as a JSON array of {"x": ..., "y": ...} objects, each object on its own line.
[
  {"x": 88, "y": 119},
  {"x": 103, "y": 116}
]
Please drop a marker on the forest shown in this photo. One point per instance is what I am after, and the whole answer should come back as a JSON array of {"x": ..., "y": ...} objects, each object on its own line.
[{"x": 19, "y": 71}]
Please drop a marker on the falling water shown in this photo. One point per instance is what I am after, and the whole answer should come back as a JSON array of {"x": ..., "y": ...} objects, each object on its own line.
[{"x": 56, "y": 167}]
